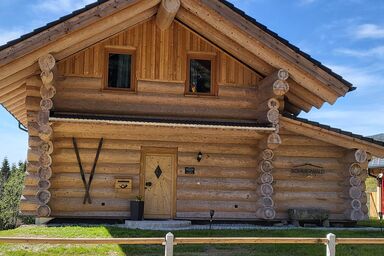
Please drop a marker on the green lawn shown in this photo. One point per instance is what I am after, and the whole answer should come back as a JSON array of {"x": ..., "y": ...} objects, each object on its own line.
[{"x": 222, "y": 250}]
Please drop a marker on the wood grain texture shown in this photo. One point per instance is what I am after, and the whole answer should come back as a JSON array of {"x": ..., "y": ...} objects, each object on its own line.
[
  {"x": 150, "y": 41},
  {"x": 328, "y": 190},
  {"x": 226, "y": 171}
]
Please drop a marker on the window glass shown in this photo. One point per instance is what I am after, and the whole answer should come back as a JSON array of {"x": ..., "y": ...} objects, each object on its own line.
[
  {"x": 200, "y": 76},
  {"x": 119, "y": 70}
]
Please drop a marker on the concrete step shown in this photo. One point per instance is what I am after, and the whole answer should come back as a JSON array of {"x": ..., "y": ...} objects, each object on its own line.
[{"x": 157, "y": 224}]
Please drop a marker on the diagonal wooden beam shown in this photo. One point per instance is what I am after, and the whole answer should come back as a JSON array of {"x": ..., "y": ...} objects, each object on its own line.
[
  {"x": 93, "y": 172},
  {"x": 330, "y": 136},
  {"x": 232, "y": 25},
  {"x": 76, "y": 37},
  {"x": 62, "y": 29},
  {"x": 140, "y": 18},
  {"x": 82, "y": 173}
]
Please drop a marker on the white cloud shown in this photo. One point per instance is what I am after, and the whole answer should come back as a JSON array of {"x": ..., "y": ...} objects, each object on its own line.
[
  {"x": 364, "y": 121},
  {"x": 9, "y": 35},
  {"x": 61, "y": 6},
  {"x": 364, "y": 78},
  {"x": 373, "y": 52},
  {"x": 361, "y": 111},
  {"x": 368, "y": 31}
]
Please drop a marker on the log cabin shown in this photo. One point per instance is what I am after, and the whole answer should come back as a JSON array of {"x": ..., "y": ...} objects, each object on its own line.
[{"x": 190, "y": 104}]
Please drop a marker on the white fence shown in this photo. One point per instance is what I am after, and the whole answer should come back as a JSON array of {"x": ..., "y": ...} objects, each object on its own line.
[{"x": 169, "y": 242}]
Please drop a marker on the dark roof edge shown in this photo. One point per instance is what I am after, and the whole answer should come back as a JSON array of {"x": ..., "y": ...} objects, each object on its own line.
[
  {"x": 225, "y": 2},
  {"x": 51, "y": 24},
  {"x": 332, "y": 129},
  {"x": 288, "y": 44}
]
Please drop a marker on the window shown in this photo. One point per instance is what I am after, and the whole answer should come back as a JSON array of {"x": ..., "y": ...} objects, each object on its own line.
[
  {"x": 119, "y": 72},
  {"x": 200, "y": 75}
]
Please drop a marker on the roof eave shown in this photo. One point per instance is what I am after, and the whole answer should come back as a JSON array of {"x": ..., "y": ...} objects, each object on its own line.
[{"x": 333, "y": 136}]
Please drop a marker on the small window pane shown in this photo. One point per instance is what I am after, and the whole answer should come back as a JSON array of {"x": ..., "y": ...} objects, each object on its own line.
[
  {"x": 200, "y": 76},
  {"x": 119, "y": 70}
]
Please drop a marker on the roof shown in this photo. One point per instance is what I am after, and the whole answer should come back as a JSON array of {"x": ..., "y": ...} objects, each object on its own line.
[
  {"x": 378, "y": 137},
  {"x": 51, "y": 24},
  {"x": 239, "y": 35},
  {"x": 376, "y": 163},
  {"x": 225, "y": 2},
  {"x": 329, "y": 128},
  {"x": 287, "y": 43},
  {"x": 142, "y": 120}
]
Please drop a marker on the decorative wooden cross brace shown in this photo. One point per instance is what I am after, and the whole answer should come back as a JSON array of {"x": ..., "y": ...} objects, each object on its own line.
[{"x": 87, "y": 186}]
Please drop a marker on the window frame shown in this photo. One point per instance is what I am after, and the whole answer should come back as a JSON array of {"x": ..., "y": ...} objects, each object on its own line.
[
  {"x": 202, "y": 56},
  {"x": 120, "y": 50}
]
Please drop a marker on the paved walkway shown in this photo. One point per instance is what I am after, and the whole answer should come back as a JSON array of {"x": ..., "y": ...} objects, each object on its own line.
[{"x": 148, "y": 226}]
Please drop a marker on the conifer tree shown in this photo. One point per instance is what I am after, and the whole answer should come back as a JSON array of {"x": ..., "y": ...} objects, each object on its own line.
[{"x": 5, "y": 170}]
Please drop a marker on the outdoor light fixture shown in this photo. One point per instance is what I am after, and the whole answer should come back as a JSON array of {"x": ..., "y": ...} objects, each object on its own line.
[
  {"x": 199, "y": 156},
  {"x": 211, "y": 213}
]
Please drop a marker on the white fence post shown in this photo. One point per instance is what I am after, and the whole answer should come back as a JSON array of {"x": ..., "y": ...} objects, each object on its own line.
[
  {"x": 331, "y": 245},
  {"x": 169, "y": 244}
]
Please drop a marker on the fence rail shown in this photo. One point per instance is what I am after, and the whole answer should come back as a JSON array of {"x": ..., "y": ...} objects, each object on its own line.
[{"x": 170, "y": 241}]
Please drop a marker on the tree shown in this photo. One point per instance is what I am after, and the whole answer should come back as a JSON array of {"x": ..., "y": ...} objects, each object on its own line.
[
  {"x": 5, "y": 170},
  {"x": 10, "y": 199}
]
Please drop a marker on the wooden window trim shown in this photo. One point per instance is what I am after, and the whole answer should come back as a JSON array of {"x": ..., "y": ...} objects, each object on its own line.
[
  {"x": 214, "y": 69},
  {"x": 120, "y": 50}
]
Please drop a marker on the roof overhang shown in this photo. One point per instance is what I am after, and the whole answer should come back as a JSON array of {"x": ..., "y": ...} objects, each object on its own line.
[
  {"x": 218, "y": 21},
  {"x": 333, "y": 136},
  {"x": 165, "y": 123},
  {"x": 181, "y": 132}
]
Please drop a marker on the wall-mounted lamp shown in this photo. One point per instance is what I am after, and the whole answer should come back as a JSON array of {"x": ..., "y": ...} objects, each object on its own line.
[
  {"x": 211, "y": 214},
  {"x": 199, "y": 156}
]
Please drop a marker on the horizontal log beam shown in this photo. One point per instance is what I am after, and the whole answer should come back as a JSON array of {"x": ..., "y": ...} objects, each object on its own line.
[{"x": 166, "y": 13}]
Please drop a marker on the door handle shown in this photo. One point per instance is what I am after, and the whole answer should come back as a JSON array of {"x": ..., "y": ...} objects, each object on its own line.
[{"x": 148, "y": 184}]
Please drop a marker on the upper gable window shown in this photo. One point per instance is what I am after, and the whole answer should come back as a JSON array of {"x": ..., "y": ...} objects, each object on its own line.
[
  {"x": 201, "y": 74},
  {"x": 119, "y": 72}
]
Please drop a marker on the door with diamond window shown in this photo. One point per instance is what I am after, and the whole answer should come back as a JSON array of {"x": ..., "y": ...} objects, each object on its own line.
[{"x": 159, "y": 172}]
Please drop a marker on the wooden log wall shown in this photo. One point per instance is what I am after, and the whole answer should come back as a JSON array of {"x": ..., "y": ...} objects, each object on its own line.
[
  {"x": 28, "y": 203},
  {"x": 225, "y": 180},
  {"x": 357, "y": 165},
  {"x": 40, "y": 91},
  {"x": 271, "y": 91},
  {"x": 266, "y": 204},
  {"x": 161, "y": 72},
  {"x": 230, "y": 178},
  {"x": 328, "y": 189}
]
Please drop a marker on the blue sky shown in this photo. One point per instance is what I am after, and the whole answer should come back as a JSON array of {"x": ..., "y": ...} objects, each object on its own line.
[{"x": 345, "y": 35}]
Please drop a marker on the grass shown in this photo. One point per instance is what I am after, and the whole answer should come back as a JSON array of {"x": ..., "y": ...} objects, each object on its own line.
[{"x": 196, "y": 250}]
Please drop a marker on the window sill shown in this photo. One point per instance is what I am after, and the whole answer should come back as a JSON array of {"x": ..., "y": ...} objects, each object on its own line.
[
  {"x": 201, "y": 95},
  {"x": 118, "y": 90}
]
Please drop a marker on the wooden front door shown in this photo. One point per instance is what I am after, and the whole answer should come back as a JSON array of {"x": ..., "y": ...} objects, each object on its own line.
[{"x": 158, "y": 175}]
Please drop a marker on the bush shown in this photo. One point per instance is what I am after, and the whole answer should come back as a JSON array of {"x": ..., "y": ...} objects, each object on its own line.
[{"x": 12, "y": 186}]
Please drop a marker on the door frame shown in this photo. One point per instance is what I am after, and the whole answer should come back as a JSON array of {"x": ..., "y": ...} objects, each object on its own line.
[{"x": 161, "y": 151}]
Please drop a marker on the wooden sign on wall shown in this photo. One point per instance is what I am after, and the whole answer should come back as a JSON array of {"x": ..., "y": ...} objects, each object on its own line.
[
  {"x": 189, "y": 170},
  {"x": 308, "y": 170}
]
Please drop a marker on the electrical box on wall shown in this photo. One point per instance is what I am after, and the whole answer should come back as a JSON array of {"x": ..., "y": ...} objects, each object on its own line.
[{"x": 123, "y": 184}]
